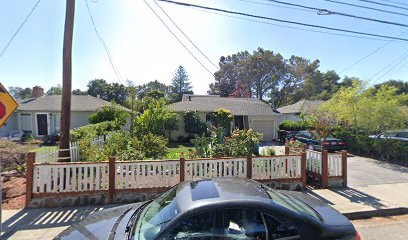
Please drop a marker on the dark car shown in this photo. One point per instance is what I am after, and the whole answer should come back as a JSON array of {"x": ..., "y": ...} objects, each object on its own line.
[
  {"x": 218, "y": 208},
  {"x": 311, "y": 140}
]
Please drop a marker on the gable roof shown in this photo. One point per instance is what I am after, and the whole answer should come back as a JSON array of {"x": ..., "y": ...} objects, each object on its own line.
[
  {"x": 52, "y": 103},
  {"x": 303, "y": 106},
  {"x": 211, "y": 103}
]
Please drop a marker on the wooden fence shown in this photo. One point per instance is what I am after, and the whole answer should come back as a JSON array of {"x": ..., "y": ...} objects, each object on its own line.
[{"x": 65, "y": 179}]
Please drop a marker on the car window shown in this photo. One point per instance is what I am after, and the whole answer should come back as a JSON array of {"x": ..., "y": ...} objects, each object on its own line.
[
  {"x": 242, "y": 224},
  {"x": 200, "y": 226},
  {"x": 279, "y": 230}
]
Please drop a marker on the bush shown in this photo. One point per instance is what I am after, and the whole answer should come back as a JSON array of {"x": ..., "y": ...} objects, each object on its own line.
[
  {"x": 155, "y": 120},
  {"x": 243, "y": 142},
  {"x": 93, "y": 130},
  {"x": 268, "y": 151},
  {"x": 110, "y": 113},
  {"x": 293, "y": 126},
  {"x": 13, "y": 156},
  {"x": 193, "y": 124}
]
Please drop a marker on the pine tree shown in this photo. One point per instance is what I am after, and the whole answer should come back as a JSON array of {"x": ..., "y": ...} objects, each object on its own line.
[{"x": 180, "y": 84}]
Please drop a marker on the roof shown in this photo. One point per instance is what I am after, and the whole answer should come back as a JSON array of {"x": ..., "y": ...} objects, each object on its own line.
[
  {"x": 193, "y": 194},
  {"x": 211, "y": 103},
  {"x": 303, "y": 106},
  {"x": 52, "y": 103}
]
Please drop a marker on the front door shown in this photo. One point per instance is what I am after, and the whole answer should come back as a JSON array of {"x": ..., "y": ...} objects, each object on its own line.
[{"x": 42, "y": 124}]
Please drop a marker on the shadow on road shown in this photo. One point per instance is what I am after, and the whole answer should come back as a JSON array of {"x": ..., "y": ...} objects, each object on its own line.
[
  {"x": 356, "y": 196},
  {"x": 27, "y": 219}
]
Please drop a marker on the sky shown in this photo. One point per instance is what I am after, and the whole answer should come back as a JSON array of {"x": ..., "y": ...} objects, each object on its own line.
[{"x": 143, "y": 50}]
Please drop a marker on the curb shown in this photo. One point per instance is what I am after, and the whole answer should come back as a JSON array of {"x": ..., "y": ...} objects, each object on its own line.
[{"x": 376, "y": 213}]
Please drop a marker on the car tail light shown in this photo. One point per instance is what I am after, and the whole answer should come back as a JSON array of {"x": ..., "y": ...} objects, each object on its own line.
[
  {"x": 341, "y": 143},
  {"x": 325, "y": 143},
  {"x": 358, "y": 236}
]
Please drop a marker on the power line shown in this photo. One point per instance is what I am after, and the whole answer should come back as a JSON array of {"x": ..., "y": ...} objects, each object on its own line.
[
  {"x": 186, "y": 35},
  {"x": 188, "y": 50},
  {"x": 370, "y": 54},
  {"x": 392, "y": 68},
  {"x": 383, "y": 4},
  {"x": 366, "y": 7},
  {"x": 19, "y": 28},
  {"x": 399, "y": 3},
  {"x": 286, "y": 21},
  {"x": 321, "y": 11},
  {"x": 115, "y": 69},
  {"x": 275, "y": 5},
  {"x": 400, "y": 58},
  {"x": 291, "y": 27}
]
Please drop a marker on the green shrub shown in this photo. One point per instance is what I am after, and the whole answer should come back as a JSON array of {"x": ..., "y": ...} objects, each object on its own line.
[
  {"x": 193, "y": 124},
  {"x": 268, "y": 151},
  {"x": 151, "y": 146},
  {"x": 293, "y": 126},
  {"x": 112, "y": 113},
  {"x": 243, "y": 142},
  {"x": 155, "y": 120},
  {"x": 93, "y": 130}
]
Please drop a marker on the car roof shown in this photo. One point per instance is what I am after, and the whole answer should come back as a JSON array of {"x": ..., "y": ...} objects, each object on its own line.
[{"x": 205, "y": 192}]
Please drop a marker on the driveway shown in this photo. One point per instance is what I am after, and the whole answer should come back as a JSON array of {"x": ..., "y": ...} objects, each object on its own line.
[{"x": 366, "y": 171}]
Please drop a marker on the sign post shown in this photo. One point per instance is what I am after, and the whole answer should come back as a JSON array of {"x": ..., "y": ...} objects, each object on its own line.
[{"x": 7, "y": 106}]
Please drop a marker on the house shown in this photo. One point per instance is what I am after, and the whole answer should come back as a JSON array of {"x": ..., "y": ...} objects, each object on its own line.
[
  {"x": 40, "y": 115},
  {"x": 292, "y": 112},
  {"x": 248, "y": 113}
]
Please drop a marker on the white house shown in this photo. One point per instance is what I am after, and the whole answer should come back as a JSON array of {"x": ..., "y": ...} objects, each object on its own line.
[
  {"x": 247, "y": 112},
  {"x": 292, "y": 112},
  {"x": 41, "y": 116}
]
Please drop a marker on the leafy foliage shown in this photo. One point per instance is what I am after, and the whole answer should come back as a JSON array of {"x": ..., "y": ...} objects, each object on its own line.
[
  {"x": 222, "y": 118},
  {"x": 20, "y": 93},
  {"x": 156, "y": 120},
  {"x": 293, "y": 126},
  {"x": 56, "y": 90},
  {"x": 13, "y": 156},
  {"x": 243, "y": 142},
  {"x": 93, "y": 130},
  {"x": 193, "y": 124},
  {"x": 110, "y": 113},
  {"x": 268, "y": 151},
  {"x": 107, "y": 91}
]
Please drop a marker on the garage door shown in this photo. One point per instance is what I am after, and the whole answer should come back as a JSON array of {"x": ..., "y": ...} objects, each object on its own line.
[{"x": 264, "y": 126}]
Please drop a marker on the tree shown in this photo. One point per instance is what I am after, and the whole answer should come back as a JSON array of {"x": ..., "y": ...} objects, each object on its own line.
[
  {"x": 110, "y": 113},
  {"x": 144, "y": 89},
  {"x": 55, "y": 90},
  {"x": 98, "y": 87},
  {"x": 193, "y": 124},
  {"x": 180, "y": 85},
  {"x": 155, "y": 120},
  {"x": 108, "y": 92},
  {"x": 401, "y": 86},
  {"x": 79, "y": 92},
  {"x": 20, "y": 93}
]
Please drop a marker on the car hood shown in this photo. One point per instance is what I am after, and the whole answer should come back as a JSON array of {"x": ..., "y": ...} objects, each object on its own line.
[
  {"x": 330, "y": 216},
  {"x": 101, "y": 224}
]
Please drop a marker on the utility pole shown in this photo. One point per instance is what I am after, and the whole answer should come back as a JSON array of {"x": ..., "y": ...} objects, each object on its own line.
[{"x": 64, "y": 148}]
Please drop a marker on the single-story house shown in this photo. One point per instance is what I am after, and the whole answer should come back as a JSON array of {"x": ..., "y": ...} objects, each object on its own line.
[
  {"x": 292, "y": 112},
  {"x": 40, "y": 116},
  {"x": 248, "y": 113}
]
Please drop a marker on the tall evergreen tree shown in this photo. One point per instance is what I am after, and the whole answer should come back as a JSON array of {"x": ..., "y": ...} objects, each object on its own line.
[{"x": 180, "y": 84}]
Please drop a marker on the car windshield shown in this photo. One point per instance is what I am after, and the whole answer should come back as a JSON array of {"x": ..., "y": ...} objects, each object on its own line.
[
  {"x": 156, "y": 215},
  {"x": 291, "y": 203}
]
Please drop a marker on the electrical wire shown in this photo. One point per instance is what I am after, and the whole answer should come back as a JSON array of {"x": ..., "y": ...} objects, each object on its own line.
[
  {"x": 399, "y": 3},
  {"x": 185, "y": 35},
  {"x": 398, "y": 60},
  {"x": 275, "y": 5},
  {"x": 285, "y": 21},
  {"x": 168, "y": 28},
  {"x": 370, "y": 54},
  {"x": 321, "y": 11},
  {"x": 366, "y": 7},
  {"x": 392, "y": 68},
  {"x": 19, "y": 28},
  {"x": 383, "y": 4},
  {"x": 115, "y": 69}
]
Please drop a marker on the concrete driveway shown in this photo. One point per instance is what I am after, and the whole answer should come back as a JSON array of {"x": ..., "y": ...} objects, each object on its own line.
[{"x": 366, "y": 171}]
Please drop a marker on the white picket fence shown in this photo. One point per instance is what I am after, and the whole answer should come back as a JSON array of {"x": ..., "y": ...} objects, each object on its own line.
[
  {"x": 314, "y": 161},
  {"x": 335, "y": 165},
  {"x": 206, "y": 168},
  {"x": 334, "y": 162},
  {"x": 74, "y": 177},
  {"x": 276, "y": 167},
  {"x": 50, "y": 155}
]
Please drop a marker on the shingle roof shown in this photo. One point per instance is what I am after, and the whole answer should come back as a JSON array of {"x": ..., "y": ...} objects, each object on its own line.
[
  {"x": 303, "y": 106},
  {"x": 211, "y": 103},
  {"x": 52, "y": 103}
]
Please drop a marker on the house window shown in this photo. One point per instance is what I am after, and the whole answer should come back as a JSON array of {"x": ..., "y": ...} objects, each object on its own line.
[
  {"x": 239, "y": 122},
  {"x": 26, "y": 122}
]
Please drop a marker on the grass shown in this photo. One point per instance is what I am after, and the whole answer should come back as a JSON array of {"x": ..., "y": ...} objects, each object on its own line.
[{"x": 174, "y": 153}]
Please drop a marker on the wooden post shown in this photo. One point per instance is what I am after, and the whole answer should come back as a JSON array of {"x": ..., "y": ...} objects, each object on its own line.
[
  {"x": 29, "y": 177},
  {"x": 287, "y": 151},
  {"x": 182, "y": 171},
  {"x": 64, "y": 151},
  {"x": 344, "y": 166},
  {"x": 304, "y": 148},
  {"x": 112, "y": 175},
  {"x": 325, "y": 168},
  {"x": 303, "y": 169},
  {"x": 249, "y": 166}
]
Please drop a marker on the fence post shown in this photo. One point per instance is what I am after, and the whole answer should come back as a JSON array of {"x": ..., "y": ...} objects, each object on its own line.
[
  {"x": 344, "y": 166},
  {"x": 325, "y": 168},
  {"x": 182, "y": 172},
  {"x": 29, "y": 177},
  {"x": 112, "y": 175},
  {"x": 249, "y": 166},
  {"x": 287, "y": 151},
  {"x": 303, "y": 169},
  {"x": 304, "y": 148}
]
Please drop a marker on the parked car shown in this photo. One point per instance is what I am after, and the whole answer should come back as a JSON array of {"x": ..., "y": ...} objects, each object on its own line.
[
  {"x": 311, "y": 140},
  {"x": 218, "y": 208},
  {"x": 401, "y": 135}
]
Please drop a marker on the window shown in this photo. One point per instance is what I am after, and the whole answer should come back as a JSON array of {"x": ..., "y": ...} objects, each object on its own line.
[
  {"x": 201, "y": 227},
  {"x": 279, "y": 230}
]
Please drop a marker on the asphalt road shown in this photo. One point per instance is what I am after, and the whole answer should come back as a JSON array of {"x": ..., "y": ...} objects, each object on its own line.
[{"x": 395, "y": 228}]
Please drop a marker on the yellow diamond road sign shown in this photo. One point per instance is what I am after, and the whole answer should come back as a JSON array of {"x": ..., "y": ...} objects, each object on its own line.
[{"x": 7, "y": 105}]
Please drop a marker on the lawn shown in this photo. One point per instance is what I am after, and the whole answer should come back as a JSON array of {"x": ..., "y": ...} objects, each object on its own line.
[{"x": 174, "y": 153}]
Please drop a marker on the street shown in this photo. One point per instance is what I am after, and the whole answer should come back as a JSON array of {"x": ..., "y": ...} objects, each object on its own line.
[{"x": 383, "y": 228}]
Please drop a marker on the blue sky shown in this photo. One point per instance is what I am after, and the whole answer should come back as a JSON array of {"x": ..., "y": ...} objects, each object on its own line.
[{"x": 143, "y": 50}]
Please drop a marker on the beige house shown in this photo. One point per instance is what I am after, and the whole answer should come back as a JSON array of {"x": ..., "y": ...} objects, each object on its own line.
[
  {"x": 41, "y": 116},
  {"x": 292, "y": 112},
  {"x": 248, "y": 113}
]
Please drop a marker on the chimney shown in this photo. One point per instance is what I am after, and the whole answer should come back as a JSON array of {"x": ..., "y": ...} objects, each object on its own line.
[{"x": 37, "y": 92}]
